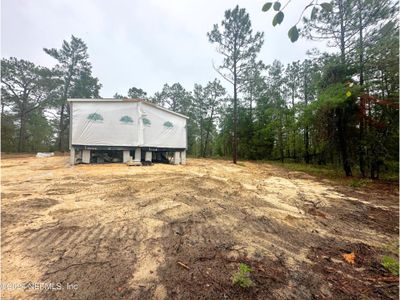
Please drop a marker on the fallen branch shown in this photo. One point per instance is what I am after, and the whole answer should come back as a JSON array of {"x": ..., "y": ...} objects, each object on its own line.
[
  {"x": 183, "y": 265},
  {"x": 220, "y": 205}
]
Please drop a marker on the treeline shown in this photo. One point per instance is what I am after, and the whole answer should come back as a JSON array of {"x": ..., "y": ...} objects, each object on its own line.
[{"x": 339, "y": 108}]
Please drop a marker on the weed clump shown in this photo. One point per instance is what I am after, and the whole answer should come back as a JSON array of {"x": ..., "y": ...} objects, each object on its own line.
[
  {"x": 391, "y": 264},
  {"x": 242, "y": 276}
]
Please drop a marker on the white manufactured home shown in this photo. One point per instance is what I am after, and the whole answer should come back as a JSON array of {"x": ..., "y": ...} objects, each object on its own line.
[{"x": 122, "y": 130}]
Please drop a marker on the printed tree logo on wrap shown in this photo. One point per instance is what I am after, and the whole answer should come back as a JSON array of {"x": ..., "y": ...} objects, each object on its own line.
[
  {"x": 146, "y": 122},
  {"x": 95, "y": 117},
  {"x": 168, "y": 125},
  {"x": 126, "y": 120}
]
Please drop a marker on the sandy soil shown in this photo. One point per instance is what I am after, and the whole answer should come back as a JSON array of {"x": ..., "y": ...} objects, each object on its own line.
[{"x": 180, "y": 232}]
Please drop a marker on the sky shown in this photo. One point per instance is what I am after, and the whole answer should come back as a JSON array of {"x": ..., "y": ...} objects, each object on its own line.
[{"x": 141, "y": 43}]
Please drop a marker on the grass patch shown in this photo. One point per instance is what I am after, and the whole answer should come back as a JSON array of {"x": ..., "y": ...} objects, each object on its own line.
[
  {"x": 327, "y": 171},
  {"x": 336, "y": 173},
  {"x": 330, "y": 171},
  {"x": 391, "y": 264},
  {"x": 358, "y": 183},
  {"x": 242, "y": 276},
  {"x": 390, "y": 261}
]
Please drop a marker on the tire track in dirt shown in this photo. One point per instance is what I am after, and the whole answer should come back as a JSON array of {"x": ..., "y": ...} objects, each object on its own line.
[
  {"x": 79, "y": 257},
  {"x": 119, "y": 232}
]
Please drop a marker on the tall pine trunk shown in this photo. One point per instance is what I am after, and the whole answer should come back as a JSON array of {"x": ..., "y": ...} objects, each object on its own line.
[
  {"x": 342, "y": 34},
  {"x": 342, "y": 111},
  {"x": 208, "y": 132},
  {"x": 280, "y": 137},
  {"x": 361, "y": 144},
  {"x": 21, "y": 134},
  {"x": 61, "y": 128},
  {"x": 294, "y": 127},
  {"x": 341, "y": 125},
  {"x": 234, "y": 145},
  {"x": 306, "y": 129},
  {"x": 201, "y": 136}
]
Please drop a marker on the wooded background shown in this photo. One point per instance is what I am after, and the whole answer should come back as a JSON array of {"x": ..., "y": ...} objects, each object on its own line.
[{"x": 339, "y": 109}]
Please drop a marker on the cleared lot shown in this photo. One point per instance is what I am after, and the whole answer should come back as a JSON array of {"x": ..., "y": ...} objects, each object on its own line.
[{"x": 180, "y": 232}]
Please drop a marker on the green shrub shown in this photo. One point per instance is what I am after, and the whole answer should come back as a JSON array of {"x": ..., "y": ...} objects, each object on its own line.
[
  {"x": 357, "y": 183},
  {"x": 242, "y": 277},
  {"x": 391, "y": 264}
]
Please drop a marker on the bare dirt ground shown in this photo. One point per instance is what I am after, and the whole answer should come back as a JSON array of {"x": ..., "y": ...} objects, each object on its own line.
[{"x": 180, "y": 232}]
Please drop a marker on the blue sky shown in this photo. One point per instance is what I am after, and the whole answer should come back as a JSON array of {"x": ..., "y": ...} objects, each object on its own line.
[{"x": 140, "y": 43}]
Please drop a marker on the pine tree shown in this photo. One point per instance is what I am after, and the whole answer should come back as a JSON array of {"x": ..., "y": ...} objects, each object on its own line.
[
  {"x": 75, "y": 73},
  {"x": 239, "y": 46},
  {"x": 26, "y": 88}
]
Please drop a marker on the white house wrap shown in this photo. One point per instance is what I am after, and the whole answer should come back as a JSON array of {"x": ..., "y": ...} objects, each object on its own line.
[{"x": 125, "y": 124}]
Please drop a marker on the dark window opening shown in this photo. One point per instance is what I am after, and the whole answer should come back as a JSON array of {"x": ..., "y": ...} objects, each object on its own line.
[
  {"x": 161, "y": 157},
  {"x": 106, "y": 156}
]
